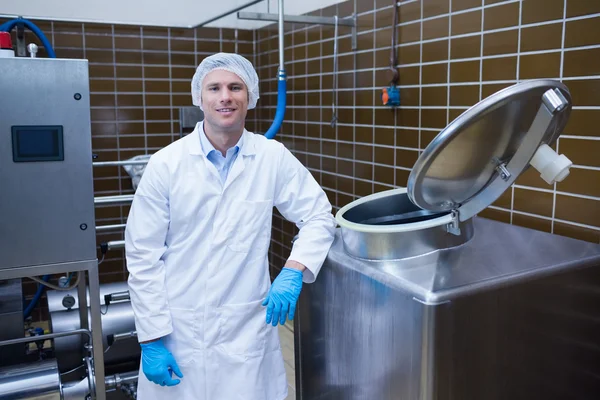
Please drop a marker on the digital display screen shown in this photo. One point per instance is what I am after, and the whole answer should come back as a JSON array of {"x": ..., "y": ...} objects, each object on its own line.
[{"x": 37, "y": 143}]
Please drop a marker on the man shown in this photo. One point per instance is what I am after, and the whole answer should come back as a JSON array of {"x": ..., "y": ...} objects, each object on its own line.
[{"x": 197, "y": 241}]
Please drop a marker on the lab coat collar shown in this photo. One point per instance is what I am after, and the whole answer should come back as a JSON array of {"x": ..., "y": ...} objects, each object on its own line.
[{"x": 248, "y": 146}]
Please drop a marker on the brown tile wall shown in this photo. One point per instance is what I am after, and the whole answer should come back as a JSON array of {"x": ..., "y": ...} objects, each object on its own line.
[
  {"x": 139, "y": 77},
  {"x": 452, "y": 53}
]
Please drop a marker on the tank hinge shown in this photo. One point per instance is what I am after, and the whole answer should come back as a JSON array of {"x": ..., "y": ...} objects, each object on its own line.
[{"x": 453, "y": 226}]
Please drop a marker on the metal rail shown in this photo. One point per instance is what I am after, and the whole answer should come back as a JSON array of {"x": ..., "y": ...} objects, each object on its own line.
[{"x": 125, "y": 198}]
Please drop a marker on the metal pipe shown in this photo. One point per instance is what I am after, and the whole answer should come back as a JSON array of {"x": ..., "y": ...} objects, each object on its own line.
[
  {"x": 103, "y": 228},
  {"x": 118, "y": 163},
  {"x": 119, "y": 296},
  {"x": 281, "y": 36},
  {"x": 31, "y": 381},
  {"x": 116, "y": 380},
  {"x": 116, "y": 244},
  {"x": 227, "y": 13},
  {"x": 299, "y": 19},
  {"x": 30, "y": 339},
  {"x": 125, "y": 198},
  {"x": 122, "y": 336}
]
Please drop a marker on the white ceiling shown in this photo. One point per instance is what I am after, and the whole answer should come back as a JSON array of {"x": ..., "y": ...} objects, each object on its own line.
[{"x": 171, "y": 13}]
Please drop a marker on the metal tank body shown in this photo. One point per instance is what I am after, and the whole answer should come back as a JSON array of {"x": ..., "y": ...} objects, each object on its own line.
[
  {"x": 117, "y": 318},
  {"x": 510, "y": 314},
  {"x": 33, "y": 381}
]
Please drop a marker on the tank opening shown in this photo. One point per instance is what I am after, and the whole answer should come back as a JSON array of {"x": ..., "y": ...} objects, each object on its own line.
[{"x": 391, "y": 210}]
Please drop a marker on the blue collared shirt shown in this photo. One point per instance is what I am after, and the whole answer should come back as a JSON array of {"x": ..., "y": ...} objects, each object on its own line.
[{"x": 222, "y": 164}]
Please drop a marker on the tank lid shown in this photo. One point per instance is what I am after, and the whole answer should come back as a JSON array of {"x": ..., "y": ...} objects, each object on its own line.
[{"x": 481, "y": 153}]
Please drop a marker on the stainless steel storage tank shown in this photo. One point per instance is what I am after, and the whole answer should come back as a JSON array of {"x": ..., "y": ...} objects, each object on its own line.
[{"x": 419, "y": 299}]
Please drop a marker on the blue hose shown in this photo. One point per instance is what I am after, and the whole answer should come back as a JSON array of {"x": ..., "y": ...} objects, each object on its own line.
[
  {"x": 280, "y": 112},
  {"x": 8, "y": 26},
  {"x": 36, "y": 298}
]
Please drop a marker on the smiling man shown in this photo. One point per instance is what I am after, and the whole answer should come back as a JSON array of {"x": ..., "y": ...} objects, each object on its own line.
[{"x": 197, "y": 242}]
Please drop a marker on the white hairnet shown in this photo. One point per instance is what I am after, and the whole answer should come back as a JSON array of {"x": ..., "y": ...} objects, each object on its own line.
[{"x": 228, "y": 62}]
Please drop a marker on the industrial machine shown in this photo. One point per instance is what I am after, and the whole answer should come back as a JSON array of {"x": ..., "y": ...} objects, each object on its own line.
[
  {"x": 420, "y": 299},
  {"x": 48, "y": 227}
]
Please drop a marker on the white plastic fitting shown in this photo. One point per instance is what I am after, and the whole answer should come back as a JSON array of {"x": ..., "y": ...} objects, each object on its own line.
[{"x": 552, "y": 166}]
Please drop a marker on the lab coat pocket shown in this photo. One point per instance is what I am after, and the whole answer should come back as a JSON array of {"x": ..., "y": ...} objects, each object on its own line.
[
  {"x": 242, "y": 329},
  {"x": 181, "y": 341},
  {"x": 251, "y": 231}
]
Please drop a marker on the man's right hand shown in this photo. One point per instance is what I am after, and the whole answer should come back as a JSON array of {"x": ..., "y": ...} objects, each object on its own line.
[{"x": 159, "y": 364}]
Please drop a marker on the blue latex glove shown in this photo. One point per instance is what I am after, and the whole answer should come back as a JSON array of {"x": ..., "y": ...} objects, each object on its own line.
[
  {"x": 282, "y": 298},
  {"x": 159, "y": 364}
]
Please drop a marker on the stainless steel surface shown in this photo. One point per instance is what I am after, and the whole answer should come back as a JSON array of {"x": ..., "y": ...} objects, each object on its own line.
[
  {"x": 116, "y": 380},
  {"x": 511, "y": 314},
  {"x": 92, "y": 268},
  {"x": 55, "y": 297},
  {"x": 188, "y": 118},
  {"x": 32, "y": 381},
  {"x": 97, "y": 334},
  {"x": 554, "y": 100},
  {"x": 104, "y": 228},
  {"x": 77, "y": 390},
  {"x": 119, "y": 163},
  {"x": 48, "y": 213},
  {"x": 21, "y": 47},
  {"x": 397, "y": 209},
  {"x": 459, "y": 165},
  {"x": 517, "y": 164},
  {"x": 120, "y": 296},
  {"x": 125, "y": 336},
  {"x": 116, "y": 244},
  {"x": 124, "y": 198},
  {"x": 118, "y": 318},
  {"x": 11, "y": 320},
  {"x": 299, "y": 19},
  {"x": 34, "y": 270}
]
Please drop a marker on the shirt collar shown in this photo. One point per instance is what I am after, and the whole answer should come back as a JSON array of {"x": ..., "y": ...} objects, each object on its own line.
[
  {"x": 247, "y": 147},
  {"x": 208, "y": 148}
]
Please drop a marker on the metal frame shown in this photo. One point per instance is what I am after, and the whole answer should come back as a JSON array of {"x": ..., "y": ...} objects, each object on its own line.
[
  {"x": 301, "y": 19},
  {"x": 91, "y": 267}
]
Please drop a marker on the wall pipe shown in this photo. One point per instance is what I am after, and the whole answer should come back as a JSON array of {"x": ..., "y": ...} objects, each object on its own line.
[{"x": 281, "y": 82}]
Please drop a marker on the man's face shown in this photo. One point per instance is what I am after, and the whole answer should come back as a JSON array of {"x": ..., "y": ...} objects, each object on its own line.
[{"x": 224, "y": 100}]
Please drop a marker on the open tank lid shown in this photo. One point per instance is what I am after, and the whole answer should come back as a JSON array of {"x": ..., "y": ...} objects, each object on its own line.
[{"x": 481, "y": 153}]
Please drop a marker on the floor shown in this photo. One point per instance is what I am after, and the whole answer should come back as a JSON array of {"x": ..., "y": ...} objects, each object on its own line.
[{"x": 286, "y": 337}]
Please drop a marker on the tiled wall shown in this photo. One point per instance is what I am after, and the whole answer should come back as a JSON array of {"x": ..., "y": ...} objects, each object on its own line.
[
  {"x": 139, "y": 77},
  {"x": 451, "y": 53}
]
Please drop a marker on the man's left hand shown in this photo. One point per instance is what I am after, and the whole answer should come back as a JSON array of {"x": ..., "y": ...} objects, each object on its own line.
[{"x": 283, "y": 296}]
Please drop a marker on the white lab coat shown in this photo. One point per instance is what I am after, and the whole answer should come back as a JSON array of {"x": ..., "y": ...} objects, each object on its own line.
[{"x": 197, "y": 257}]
